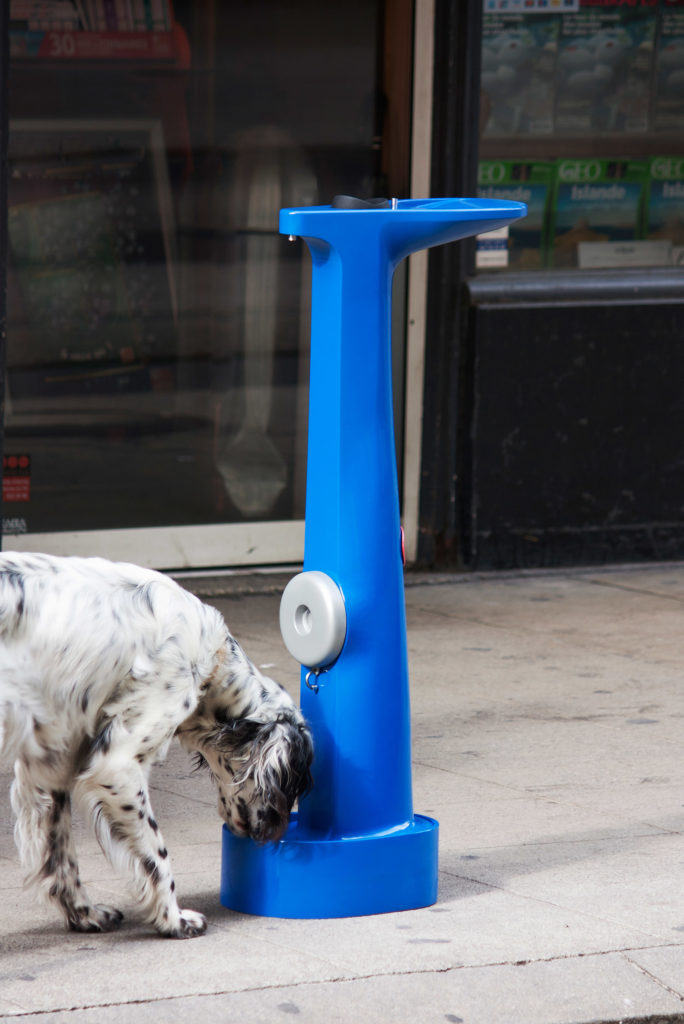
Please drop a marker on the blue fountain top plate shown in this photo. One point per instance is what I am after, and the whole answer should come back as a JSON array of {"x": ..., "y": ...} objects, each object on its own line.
[
  {"x": 402, "y": 227},
  {"x": 459, "y": 208}
]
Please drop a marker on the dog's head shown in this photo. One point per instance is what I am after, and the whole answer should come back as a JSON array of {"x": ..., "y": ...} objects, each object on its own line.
[{"x": 260, "y": 769}]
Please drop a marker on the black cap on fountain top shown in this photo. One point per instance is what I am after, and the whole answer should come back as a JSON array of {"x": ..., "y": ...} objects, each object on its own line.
[{"x": 352, "y": 203}]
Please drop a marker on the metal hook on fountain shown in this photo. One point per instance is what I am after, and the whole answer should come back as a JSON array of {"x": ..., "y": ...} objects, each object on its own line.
[
  {"x": 315, "y": 672},
  {"x": 313, "y": 622}
]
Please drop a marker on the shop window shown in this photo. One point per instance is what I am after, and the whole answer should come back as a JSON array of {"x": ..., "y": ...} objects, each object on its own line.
[
  {"x": 582, "y": 118},
  {"x": 158, "y": 327}
]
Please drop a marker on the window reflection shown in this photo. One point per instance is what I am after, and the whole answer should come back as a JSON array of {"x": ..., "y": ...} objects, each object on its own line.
[{"x": 158, "y": 323}]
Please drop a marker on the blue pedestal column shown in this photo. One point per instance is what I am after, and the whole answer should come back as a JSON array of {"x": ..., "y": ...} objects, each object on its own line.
[{"x": 356, "y": 847}]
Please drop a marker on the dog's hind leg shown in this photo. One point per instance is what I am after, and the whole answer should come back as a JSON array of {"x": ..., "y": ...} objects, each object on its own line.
[
  {"x": 117, "y": 801},
  {"x": 44, "y": 838}
]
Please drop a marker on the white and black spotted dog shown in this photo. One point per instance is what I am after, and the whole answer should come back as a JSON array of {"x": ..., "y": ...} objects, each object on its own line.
[{"x": 101, "y": 665}]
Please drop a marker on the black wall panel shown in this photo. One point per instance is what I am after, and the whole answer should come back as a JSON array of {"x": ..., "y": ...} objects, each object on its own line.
[{"x": 576, "y": 447}]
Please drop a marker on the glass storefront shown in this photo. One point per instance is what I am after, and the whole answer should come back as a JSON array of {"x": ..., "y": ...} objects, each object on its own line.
[
  {"x": 582, "y": 117},
  {"x": 157, "y": 322}
]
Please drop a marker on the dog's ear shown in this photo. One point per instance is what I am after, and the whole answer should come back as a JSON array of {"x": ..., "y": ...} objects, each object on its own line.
[
  {"x": 302, "y": 757},
  {"x": 282, "y": 773},
  {"x": 283, "y": 755},
  {"x": 277, "y": 755},
  {"x": 237, "y": 735}
]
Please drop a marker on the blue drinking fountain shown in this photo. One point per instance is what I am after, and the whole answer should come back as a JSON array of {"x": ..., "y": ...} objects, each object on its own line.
[{"x": 355, "y": 845}]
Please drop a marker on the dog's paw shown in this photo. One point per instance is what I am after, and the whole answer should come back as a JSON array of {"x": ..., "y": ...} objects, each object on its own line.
[
  {"x": 190, "y": 924},
  {"x": 95, "y": 918}
]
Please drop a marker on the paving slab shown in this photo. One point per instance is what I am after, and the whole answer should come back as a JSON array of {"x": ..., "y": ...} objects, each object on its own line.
[
  {"x": 666, "y": 964},
  {"x": 547, "y": 713},
  {"x": 562, "y": 991}
]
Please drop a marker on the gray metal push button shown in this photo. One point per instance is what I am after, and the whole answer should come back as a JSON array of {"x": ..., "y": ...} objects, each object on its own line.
[{"x": 313, "y": 620}]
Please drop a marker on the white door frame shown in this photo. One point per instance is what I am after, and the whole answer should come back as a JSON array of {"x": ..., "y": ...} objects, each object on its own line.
[
  {"x": 421, "y": 148},
  {"x": 177, "y": 547}
]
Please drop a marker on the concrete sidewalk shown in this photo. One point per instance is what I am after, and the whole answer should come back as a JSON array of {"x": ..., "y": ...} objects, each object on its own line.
[{"x": 547, "y": 730}]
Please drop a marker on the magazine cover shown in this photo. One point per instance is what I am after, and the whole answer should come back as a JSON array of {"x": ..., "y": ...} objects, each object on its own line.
[
  {"x": 668, "y": 103},
  {"x": 664, "y": 209},
  {"x": 518, "y": 73},
  {"x": 595, "y": 201},
  {"x": 522, "y": 181},
  {"x": 605, "y": 61}
]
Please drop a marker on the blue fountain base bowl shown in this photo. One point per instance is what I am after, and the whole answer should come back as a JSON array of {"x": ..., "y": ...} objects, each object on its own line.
[{"x": 304, "y": 876}]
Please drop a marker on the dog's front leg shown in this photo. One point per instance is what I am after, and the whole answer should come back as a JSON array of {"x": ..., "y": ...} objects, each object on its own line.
[
  {"x": 117, "y": 800},
  {"x": 43, "y": 836}
]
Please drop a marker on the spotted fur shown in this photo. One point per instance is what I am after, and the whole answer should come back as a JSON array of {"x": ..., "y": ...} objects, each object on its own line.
[{"x": 101, "y": 665}]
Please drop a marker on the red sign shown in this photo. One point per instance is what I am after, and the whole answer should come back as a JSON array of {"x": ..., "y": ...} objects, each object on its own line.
[{"x": 16, "y": 478}]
